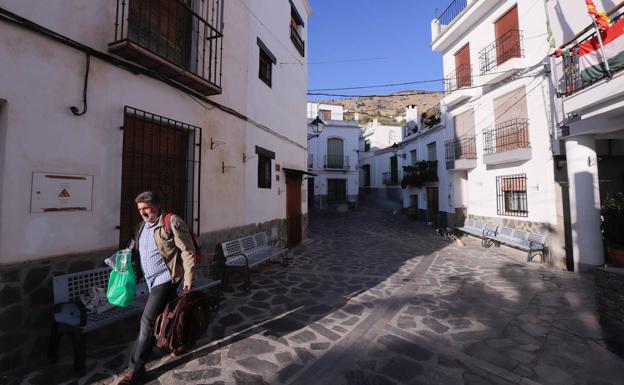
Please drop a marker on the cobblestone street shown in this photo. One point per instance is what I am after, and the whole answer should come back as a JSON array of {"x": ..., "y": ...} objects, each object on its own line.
[{"x": 373, "y": 298}]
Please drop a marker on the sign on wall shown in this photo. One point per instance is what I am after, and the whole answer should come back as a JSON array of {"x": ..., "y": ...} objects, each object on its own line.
[{"x": 53, "y": 192}]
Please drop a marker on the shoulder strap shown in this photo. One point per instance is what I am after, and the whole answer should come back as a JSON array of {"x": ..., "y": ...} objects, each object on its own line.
[{"x": 167, "y": 222}]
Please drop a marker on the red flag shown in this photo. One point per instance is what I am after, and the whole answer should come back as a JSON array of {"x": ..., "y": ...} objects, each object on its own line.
[{"x": 601, "y": 18}]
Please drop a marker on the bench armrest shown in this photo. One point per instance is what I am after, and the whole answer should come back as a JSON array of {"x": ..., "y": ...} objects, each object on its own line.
[
  {"x": 63, "y": 312},
  {"x": 236, "y": 257},
  {"x": 533, "y": 245}
]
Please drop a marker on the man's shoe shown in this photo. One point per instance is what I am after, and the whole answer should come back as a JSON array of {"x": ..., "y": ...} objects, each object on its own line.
[
  {"x": 179, "y": 351},
  {"x": 130, "y": 377}
]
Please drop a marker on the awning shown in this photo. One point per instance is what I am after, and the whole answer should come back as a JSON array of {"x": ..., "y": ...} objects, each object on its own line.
[{"x": 293, "y": 173}]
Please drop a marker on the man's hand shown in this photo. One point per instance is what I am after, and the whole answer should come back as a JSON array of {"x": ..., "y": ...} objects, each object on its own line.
[{"x": 187, "y": 288}]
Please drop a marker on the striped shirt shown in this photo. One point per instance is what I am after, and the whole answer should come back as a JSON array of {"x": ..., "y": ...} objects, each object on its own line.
[{"x": 154, "y": 268}]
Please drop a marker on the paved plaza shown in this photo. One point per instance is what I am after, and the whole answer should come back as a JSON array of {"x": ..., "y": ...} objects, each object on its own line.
[{"x": 373, "y": 298}]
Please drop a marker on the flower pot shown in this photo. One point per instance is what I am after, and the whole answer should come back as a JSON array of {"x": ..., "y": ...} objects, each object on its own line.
[{"x": 617, "y": 255}]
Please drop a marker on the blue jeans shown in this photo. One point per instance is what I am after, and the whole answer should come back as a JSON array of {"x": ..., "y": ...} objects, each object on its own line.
[{"x": 159, "y": 297}]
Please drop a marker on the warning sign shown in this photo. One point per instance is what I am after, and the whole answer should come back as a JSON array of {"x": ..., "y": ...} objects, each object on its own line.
[{"x": 53, "y": 192}]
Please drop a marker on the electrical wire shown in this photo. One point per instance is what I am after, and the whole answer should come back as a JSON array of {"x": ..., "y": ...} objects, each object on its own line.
[{"x": 341, "y": 61}]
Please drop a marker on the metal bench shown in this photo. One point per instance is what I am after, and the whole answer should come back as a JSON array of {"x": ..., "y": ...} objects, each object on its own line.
[
  {"x": 479, "y": 229},
  {"x": 71, "y": 317},
  {"x": 532, "y": 243},
  {"x": 247, "y": 252}
]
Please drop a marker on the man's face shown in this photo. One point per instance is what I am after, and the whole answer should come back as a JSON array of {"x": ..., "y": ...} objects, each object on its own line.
[{"x": 148, "y": 212}]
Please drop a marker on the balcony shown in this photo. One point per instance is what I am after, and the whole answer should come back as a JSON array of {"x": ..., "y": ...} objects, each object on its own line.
[
  {"x": 420, "y": 174},
  {"x": 336, "y": 162},
  {"x": 503, "y": 58},
  {"x": 507, "y": 142},
  {"x": 576, "y": 75},
  {"x": 297, "y": 40},
  {"x": 457, "y": 20},
  {"x": 390, "y": 178},
  {"x": 173, "y": 39},
  {"x": 461, "y": 153},
  {"x": 458, "y": 85}
]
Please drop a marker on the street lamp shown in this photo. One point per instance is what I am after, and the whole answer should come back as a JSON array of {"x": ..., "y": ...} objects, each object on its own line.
[{"x": 317, "y": 127}]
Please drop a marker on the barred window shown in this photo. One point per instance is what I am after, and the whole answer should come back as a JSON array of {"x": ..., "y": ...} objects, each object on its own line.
[
  {"x": 511, "y": 194},
  {"x": 265, "y": 66},
  {"x": 264, "y": 167}
]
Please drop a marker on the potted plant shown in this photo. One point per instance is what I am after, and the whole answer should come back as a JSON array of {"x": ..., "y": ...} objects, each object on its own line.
[{"x": 613, "y": 226}]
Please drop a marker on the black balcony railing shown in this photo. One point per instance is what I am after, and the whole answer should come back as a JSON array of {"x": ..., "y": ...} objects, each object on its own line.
[
  {"x": 336, "y": 162},
  {"x": 461, "y": 77},
  {"x": 461, "y": 148},
  {"x": 506, "y": 136},
  {"x": 452, "y": 11},
  {"x": 572, "y": 80},
  {"x": 297, "y": 40},
  {"x": 174, "y": 38},
  {"x": 420, "y": 173},
  {"x": 390, "y": 178},
  {"x": 508, "y": 46}
]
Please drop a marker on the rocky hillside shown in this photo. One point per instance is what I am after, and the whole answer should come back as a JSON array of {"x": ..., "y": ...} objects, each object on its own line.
[{"x": 386, "y": 108}]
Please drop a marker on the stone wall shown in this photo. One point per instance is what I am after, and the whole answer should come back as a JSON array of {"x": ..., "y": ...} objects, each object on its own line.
[
  {"x": 610, "y": 300},
  {"x": 26, "y": 298}
]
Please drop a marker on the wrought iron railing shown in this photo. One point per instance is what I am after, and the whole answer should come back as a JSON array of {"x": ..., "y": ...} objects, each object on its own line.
[
  {"x": 452, "y": 11},
  {"x": 511, "y": 195},
  {"x": 297, "y": 40},
  {"x": 338, "y": 162},
  {"x": 461, "y": 148},
  {"x": 506, "y": 136},
  {"x": 461, "y": 77},
  {"x": 174, "y": 30},
  {"x": 390, "y": 178},
  {"x": 572, "y": 80},
  {"x": 506, "y": 47}
]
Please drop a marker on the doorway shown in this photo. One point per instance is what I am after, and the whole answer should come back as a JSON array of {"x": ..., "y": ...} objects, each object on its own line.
[
  {"x": 432, "y": 206},
  {"x": 294, "y": 216},
  {"x": 336, "y": 190},
  {"x": 310, "y": 193}
]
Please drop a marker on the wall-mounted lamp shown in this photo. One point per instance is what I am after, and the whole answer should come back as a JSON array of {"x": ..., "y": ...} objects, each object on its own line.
[
  {"x": 395, "y": 151},
  {"x": 215, "y": 143},
  {"x": 317, "y": 127},
  {"x": 225, "y": 168}
]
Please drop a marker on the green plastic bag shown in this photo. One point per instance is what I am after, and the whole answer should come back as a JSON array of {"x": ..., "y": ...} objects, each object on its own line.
[{"x": 121, "y": 283}]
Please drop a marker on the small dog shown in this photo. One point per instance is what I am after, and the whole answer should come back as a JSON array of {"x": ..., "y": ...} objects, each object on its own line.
[{"x": 449, "y": 236}]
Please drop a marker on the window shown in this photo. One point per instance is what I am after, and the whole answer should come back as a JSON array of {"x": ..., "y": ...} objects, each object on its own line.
[
  {"x": 463, "y": 73},
  {"x": 508, "y": 37},
  {"x": 265, "y": 68},
  {"x": 431, "y": 151},
  {"x": 264, "y": 167},
  {"x": 335, "y": 154},
  {"x": 296, "y": 27},
  {"x": 325, "y": 114},
  {"x": 413, "y": 157},
  {"x": 511, "y": 194},
  {"x": 367, "y": 145}
]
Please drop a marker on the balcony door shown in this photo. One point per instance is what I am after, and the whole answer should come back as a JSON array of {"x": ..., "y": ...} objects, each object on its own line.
[
  {"x": 164, "y": 27},
  {"x": 511, "y": 116},
  {"x": 335, "y": 153},
  {"x": 507, "y": 33},
  {"x": 462, "y": 67}
]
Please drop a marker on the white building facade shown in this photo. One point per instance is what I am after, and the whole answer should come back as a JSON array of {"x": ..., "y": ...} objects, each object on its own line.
[
  {"x": 332, "y": 158},
  {"x": 497, "y": 114},
  {"x": 195, "y": 107},
  {"x": 588, "y": 112}
]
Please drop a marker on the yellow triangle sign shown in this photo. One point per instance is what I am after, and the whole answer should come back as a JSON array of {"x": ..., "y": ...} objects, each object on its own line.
[{"x": 64, "y": 194}]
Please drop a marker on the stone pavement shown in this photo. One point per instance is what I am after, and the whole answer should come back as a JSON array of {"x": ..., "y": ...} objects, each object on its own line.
[{"x": 375, "y": 299}]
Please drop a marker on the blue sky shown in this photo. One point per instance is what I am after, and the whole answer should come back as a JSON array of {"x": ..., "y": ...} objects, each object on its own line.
[{"x": 398, "y": 31}]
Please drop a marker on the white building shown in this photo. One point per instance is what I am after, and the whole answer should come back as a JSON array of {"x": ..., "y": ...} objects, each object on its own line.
[
  {"x": 589, "y": 119},
  {"x": 185, "y": 100},
  {"x": 332, "y": 158},
  {"x": 497, "y": 112}
]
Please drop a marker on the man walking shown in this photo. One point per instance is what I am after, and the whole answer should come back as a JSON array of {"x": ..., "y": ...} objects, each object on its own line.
[{"x": 164, "y": 259}]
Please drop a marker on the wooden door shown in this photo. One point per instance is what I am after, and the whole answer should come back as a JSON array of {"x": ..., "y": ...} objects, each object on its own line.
[
  {"x": 336, "y": 190},
  {"x": 155, "y": 157},
  {"x": 507, "y": 34},
  {"x": 394, "y": 170},
  {"x": 294, "y": 215},
  {"x": 432, "y": 205},
  {"x": 463, "y": 73}
]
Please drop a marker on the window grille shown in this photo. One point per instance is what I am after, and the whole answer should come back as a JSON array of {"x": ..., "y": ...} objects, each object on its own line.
[
  {"x": 511, "y": 195},
  {"x": 264, "y": 167}
]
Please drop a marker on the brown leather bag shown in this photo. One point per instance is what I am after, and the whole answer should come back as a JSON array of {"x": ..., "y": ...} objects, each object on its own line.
[{"x": 183, "y": 320}]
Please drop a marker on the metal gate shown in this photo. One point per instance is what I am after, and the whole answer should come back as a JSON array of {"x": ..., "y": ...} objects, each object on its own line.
[{"x": 162, "y": 155}]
